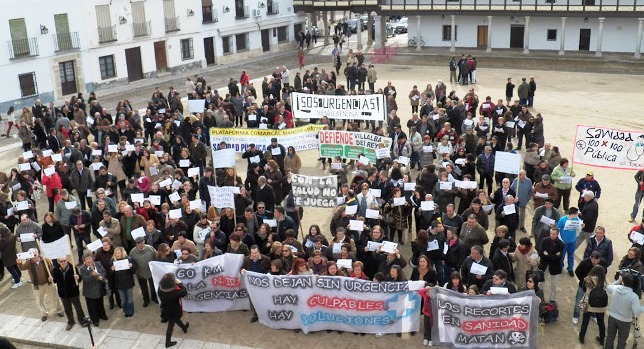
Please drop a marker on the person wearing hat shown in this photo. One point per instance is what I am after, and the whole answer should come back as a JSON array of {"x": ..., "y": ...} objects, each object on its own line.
[
  {"x": 588, "y": 183},
  {"x": 540, "y": 229},
  {"x": 171, "y": 291},
  {"x": 141, "y": 255},
  {"x": 278, "y": 152}
]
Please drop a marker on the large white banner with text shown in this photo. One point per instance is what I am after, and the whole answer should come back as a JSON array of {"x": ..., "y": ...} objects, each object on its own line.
[
  {"x": 608, "y": 147},
  {"x": 213, "y": 284},
  {"x": 358, "y": 107},
  {"x": 497, "y": 321},
  {"x": 316, "y": 303},
  {"x": 301, "y": 138}
]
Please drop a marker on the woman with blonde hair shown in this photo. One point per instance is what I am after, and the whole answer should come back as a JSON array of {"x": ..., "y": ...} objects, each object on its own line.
[{"x": 123, "y": 279}]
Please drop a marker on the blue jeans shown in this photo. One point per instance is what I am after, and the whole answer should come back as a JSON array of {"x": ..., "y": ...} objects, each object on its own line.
[
  {"x": 569, "y": 250},
  {"x": 578, "y": 297},
  {"x": 127, "y": 301},
  {"x": 636, "y": 207}
]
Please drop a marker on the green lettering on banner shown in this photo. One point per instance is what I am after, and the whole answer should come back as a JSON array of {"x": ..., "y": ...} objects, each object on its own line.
[
  {"x": 331, "y": 150},
  {"x": 353, "y": 151}
]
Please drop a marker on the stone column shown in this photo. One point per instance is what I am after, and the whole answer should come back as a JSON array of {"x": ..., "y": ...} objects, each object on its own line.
[
  {"x": 526, "y": 36},
  {"x": 638, "y": 43},
  {"x": 418, "y": 46},
  {"x": 359, "y": 34},
  {"x": 383, "y": 31},
  {"x": 453, "y": 34},
  {"x": 378, "y": 36},
  {"x": 369, "y": 29},
  {"x": 600, "y": 35},
  {"x": 326, "y": 27},
  {"x": 562, "y": 41},
  {"x": 489, "y": 34}
]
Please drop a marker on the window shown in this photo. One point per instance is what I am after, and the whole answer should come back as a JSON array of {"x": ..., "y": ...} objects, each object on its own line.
[
  {"x": 228, "y": 44},
  {"x": 28, "y": 85},
  {"x": 552, "y": 34},
  {"x": 241, "y": 11},
  {"x": 241, "y": 40},
  {"x": 187, "y": 51},
  {"x": 107, "y": 67},
  {"x": 282, "y": 34},
  {"x": 447, "y": 33},
  {"x": 206, "y": 11}
]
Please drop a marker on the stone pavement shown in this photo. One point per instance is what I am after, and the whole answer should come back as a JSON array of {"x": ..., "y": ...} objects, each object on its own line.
[{"x": 51, "y": 334}]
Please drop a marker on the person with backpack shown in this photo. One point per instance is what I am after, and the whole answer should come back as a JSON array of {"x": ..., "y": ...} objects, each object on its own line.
[{"x": 597, "y": 301}]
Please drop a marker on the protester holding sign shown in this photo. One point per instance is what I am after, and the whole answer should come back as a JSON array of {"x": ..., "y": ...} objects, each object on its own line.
[
  {"x": 123, "y": 270},
  {"x": 39, "y": 270},
  {"x": 66, "y": 281},
  {"x": 562, "y": 179},
  {"x": 8, "y": 255}
]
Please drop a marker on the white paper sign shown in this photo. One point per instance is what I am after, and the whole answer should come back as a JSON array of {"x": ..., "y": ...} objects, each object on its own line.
[
  {"x": 276, "y": 151},
  {"x": 50, "y": 171},
  {"x": 363, "y": 160},
  {"x": 174, "y": 197},
  {"x": 565, "y": 179},
  {"x": 399, "y": 201},
  {"x": 195, "y": 204},
  {"x": 102, "y": 231},
  {"x": 56, "y": 157},
  {"x": 176, "y": 184},
  {"x": 509, "y": 209},
  {"x": 27, "y": 255},
  {"x": 382, "y": 153},
  {"x": 113, "y": 148},
  {"x": 97, "y": 152},
  {"x": 184, "y": 163},
  {"x": 573, "y": 225},
  {"x": 159, "y": 153},
  {"x": 36, "y": 166},
  {"x": 336, "y": 165},
  {"x": 138, "y": 232},
  {"x": 375, "y": 193},
  {"x": 373, "y": 246},
  {"x": 16, "y": 187},
  {"x": 224, "y": 158},
  {"x": 155, "y": 200},
  {"x": 388, "y": 247},
  {"x": 153, "y": 171},
  {"x": 175, "y": 213},
  {"x": 352, "y": 209},
  {"x": 445, "y": 185},
  {"x": 373, "y": 214},
  {"x": 10, "y": 211},
  {"x": 409, "y": 186},
  {"x": 340, "y": 200},
  {"x": 28, "y": 155},
  {"x": 203, "y": 234},
  {"x": 465, "y": 184},
  {"x": 403, "y": 160},
  {"x": 56, "y": 249},
  {"x": 478, "y": 269},
  {"x": 432, "y": 245},
  {"x": 550, "y": 221},
  {"x": 166, "y": 182},
  {"x": 96, "y": 166},
  {"x": 95, "y": 245},
  {"x": 356, "y": 225},
  {"x": 24, "y": 205},
  {"x": 137, "y": 197},
  {"x": 637, "y": 237},
  {"x": 426, "y": 205},
  {"x": 24, "y": 167},
  {"x": 499, "y": 290},
  {"x": 47, "y": 152},
  {"x": 27, "y": 237},
  {"x": 193, "y": 171},
  {"x": 255, "y": 159},
  {"x": 488, "y": 208},
  {"x": 507, "y": 162},
  {"x": 196, "y": 105},
  {"x": 271, "y": 222},
  {"x": 428, "y": 148},
  {"x": 123, "y": 264},
  {"x": 344, "y": 263}
]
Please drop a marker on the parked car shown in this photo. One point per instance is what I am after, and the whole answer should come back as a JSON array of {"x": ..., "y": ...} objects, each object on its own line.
[
  {"x": 401, "y": 26},
  {"x": 390, "y": 30},
  {"x": 315, "y": 30},
  {"x": 352, "y": 23}
]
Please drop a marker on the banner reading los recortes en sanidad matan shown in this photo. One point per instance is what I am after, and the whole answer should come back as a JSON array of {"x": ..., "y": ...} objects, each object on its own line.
[
  {"x": 317, "y": 303},
  {"x": 608, "y": 147},
  {"x": 301, "y": 138},
  {"x": 358, "y": 107},
  {"x": 349, "y": 144},
  {"x": 497, "y": 321}
]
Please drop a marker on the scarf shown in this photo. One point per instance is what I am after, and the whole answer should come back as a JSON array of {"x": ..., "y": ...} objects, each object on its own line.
[{"x": 524, "y": 250}]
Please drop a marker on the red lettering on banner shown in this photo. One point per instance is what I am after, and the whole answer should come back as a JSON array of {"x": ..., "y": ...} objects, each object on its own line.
[
  {"x": 229, "y": 282},
  {"x": 336, "y": 137},
  {"x": 345, "y": 303},
  {"x": 480, "y": 326}
]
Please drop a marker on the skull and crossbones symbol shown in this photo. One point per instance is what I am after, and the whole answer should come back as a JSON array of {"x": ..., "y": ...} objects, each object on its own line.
[{"x": 516, "y": 337}]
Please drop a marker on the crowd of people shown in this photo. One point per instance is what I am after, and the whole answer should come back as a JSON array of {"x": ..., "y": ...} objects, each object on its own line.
[{"x": 105, "y": 176}]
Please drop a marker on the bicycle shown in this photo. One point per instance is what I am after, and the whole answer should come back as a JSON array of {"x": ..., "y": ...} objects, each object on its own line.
[{"x": 413, "y": 42}]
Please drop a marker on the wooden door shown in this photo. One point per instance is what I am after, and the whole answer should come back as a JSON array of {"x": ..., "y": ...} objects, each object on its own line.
[
  {"x": 209, "y": 50},
  {"x": 516, "y": 36},
  {"x": 266, "y": 40},
  {"x": 160, "y": 56},
  {"x": 133, "y": 62},
  {"x": 584, "y": 39},
  {"x": 481, "y": 37},
  {"x": 67, "y": 77}
]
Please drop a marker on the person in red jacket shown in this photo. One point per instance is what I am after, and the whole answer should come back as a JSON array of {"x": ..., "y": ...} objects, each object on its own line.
[
  {"x": 487, "y": 108},
  {"x": 427, "y": 311},
  {"x": 243, "y": 81},
  {"x": 53, "y": 185}
]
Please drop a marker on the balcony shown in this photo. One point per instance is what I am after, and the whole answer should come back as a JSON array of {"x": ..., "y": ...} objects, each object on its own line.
[
  {"x": 66, "y": 41},
  {"x": 171, "y": 24},
  {"x": 273, "y": 8},
  {"x": 209, "y": 15},
  {"x": 20, "y": 48},
  {"x": 141, "y": 29},
  {"x": 242, "y": 12},
  {"x": 106, "y": 34}
]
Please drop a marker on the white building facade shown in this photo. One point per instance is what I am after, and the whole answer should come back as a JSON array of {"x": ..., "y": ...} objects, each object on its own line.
[{"x": 57, "y": 48}]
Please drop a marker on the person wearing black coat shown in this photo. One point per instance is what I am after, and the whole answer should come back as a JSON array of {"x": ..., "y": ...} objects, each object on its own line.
[
  {"x": 501, "y": 260},
  {"x": 265, "y": 194},
  {"x": 550, "y": 251},
  {"x": 170, "y": 293},
  {"x": 500, "y": 281},
  {"x": 67, "y": 284},
  {"x": 51, "y": 231},
  {"x": 509, "y": 220}
]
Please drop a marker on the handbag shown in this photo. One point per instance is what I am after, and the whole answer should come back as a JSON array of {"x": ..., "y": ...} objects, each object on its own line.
[
  {"x": 583, "y": 305},
  {"x": 105, "y": 288}
]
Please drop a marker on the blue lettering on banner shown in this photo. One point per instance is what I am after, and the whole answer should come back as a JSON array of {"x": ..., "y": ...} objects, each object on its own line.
[{"x": 310, "y": 319}]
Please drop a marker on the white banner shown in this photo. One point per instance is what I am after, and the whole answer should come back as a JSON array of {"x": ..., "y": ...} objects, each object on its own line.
[
  {"x": 56, "y": 249},
  {"x": 507, "y": 162},
  {"x": 196, "y": 105},
  {"x": 223, "y": 196},
  {"x": 358, "y": 107},
  {"x": 315, "y": 191},
  {"x": 608, "y": 147},
  {"x": 301, "y": 138},
  {"x": 223, "y": 158},
  {"x": 213, "y": 284},
  {"x": 497, "y": 321},
  {"x": 317, "y": 303}
]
